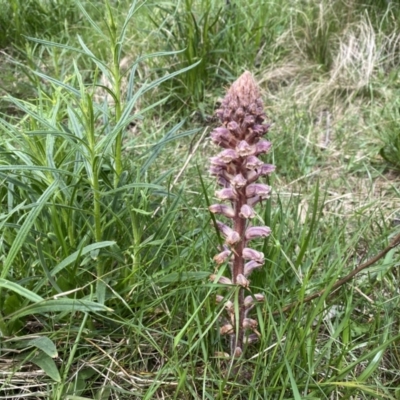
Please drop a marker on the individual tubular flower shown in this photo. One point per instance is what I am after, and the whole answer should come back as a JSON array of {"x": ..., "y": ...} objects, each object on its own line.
[
  {"x": 237, "y": 168},
  {"x": 226, "y": 194},
  {"x": 231, "y": 236},
  {"x": 225, "y": 210},
  {"x": 246, "y": 212},
  {"x": 220, "y": 258},
  {"x": 250, "y": 266},
  {"x": 255, "y": 232}
]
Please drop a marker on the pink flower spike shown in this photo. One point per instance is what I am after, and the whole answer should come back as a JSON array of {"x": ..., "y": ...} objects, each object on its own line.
[
  {"x": 258, "y": 190},
  {"x": 225, "y": 210},
  {"x": 238, "y": 181},
  {"x": 254, "y": 255},
  {"x": 250, "y": 266},
  {"x": 243, "y": 149},
  {"x": 263, "y": 146},
  {"x": 227, "y": 155},
  {"x": 255, "y": 232},
  {"x": 242, "y": 281},
  {"x": 246, "y": 212},
  {"x": 252, "y": 162},
  {"x": 223, "y": 280},
  {"x": 226, "y": 194}
]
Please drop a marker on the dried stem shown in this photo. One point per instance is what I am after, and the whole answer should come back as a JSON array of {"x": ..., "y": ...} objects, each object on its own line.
[{"x": 395, "y": 242}]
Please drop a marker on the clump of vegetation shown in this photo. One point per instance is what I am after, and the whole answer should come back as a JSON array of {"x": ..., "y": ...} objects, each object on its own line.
[{"x": 106, "y": 245}]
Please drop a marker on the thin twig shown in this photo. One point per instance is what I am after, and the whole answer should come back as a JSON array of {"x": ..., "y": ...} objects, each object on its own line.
[{"x": 395, "y": 242}]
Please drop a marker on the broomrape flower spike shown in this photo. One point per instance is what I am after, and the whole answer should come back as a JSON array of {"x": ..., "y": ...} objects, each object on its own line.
[{"x": 237, "y": 168}]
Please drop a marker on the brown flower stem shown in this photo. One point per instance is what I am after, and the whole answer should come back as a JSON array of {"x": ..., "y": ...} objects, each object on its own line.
[
  {"x": 395, "y": 242},
  {"x": 238, "y": 267}
]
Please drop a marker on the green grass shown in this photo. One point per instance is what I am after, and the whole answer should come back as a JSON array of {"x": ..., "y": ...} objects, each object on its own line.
[{"x": 106, "y": 243}]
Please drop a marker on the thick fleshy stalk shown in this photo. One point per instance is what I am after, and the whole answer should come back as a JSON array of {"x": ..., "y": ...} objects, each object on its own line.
[{"x": 237, "y": 167}]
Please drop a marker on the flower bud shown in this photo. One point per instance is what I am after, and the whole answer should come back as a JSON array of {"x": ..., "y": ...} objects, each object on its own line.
[
  {"x": 266, "y": 169},
  {"x": 225, "y": 210},
  {"x": 219, "y": 298},
  {"x": 252, "y": 163},
  {"x": 255, "y": 232},
  {"x": 246, "y": 212},
  {"x": 248, "y": 121},
  {"x": 243, "y": 149},
  {"x": 227, "y": 155},
  {"x": 263, "y": 146},
  {"x": 231, "y": 236},
  {"x": 238, "y": 352},
  {"x": 222, "y": 137},
  {"x": 249, "y": 300},
  {"x": 223, "y": 280},
  {"x": 238, "y": 181},
  {"x": 226, "y": 194},
  {"x": 229, "y": 307},
  {"x": 258, "y": 190},
  {"x": 233, "y": 126},
  {"x": 220, "y": 258},
  {"x": 242, "y": 281},
  {"x": 260, "y": 129},
  {"x": 249, "y": 323},
  {"x": 254, "y": 255},
  {"x": 250, "y": 266},
  {"x": 226, "y": 329},
  {"x": 251, "y": 338},
  {"x": 239, "y": 114}
]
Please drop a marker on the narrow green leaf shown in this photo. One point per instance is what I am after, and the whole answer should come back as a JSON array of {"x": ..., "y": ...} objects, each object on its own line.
[
  {"x": 57, "y": 82},
  {"x": 295, "y": 389},
  {"x": 184, "y": 276},
  {"x": 60, "y": 305},
  {"x": 20, "y": 290},
  {"x": 73, "y": 257},
  {"x": 33, "y": 168},
  {"x": 23, "y": 232},
  {"x": 91, "y": 21}
]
